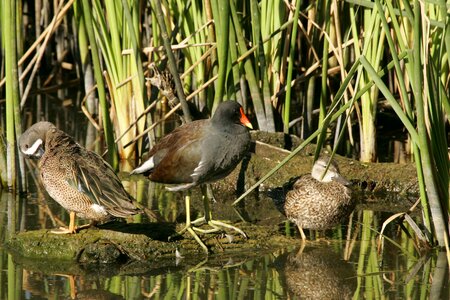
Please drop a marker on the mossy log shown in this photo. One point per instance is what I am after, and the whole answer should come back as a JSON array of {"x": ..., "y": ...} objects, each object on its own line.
[{"x": 121, "y": 244}]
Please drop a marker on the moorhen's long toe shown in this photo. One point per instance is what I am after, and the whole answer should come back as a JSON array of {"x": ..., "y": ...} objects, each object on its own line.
[{"x": 201, "y": 152}]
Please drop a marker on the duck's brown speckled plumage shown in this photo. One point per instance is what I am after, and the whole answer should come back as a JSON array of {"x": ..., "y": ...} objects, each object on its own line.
[
  {"x": 317, "y": 205},
  {"x": 77, "y": 178},
  {"x": 314, "y": 203}
]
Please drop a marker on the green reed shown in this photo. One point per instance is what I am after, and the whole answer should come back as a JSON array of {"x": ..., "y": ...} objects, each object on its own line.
[
  {"x": 112, "y": 28},
  {"x": 425, "y": 123},
  {"x": 221, "y": 13},
  {"x": 3, "y": 164},
  {"x": 292, "y": 47},
  {"x": 371, "y": 49},
  {"x": 86, "y": 26},
  {"x": 171, "y": 63},
  {"x": 13, "y": 126}
]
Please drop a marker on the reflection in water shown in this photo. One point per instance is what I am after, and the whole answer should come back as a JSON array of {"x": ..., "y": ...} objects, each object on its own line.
[
  {"x": 244, "y": 278},
  {"x": 317, "y": 273},
  {"x": 36, "y": 285}
]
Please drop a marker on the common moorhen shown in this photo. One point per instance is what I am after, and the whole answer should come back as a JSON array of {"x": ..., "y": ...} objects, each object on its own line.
[
  {"x": 78, "y": 179},
  {"x": 318, "y": 201},
  {"x": 200, "y": 152}
]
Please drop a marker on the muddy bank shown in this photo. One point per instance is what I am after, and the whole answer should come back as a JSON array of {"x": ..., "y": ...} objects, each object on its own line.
[
  {"x": 121, "y": 244},
  {"x": 268, "y": 152}
]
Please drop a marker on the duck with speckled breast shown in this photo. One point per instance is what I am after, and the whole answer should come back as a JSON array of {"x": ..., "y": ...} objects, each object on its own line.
[
  {"x": 318, "y": 201},
  {"x": 78, "y": 179}
]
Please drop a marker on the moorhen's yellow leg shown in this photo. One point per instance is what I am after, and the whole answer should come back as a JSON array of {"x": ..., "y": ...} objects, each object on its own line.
[
  {"x": 210, "y": 192},
  {"x": 189, "y": 226},
  {"x": 71, "y": 229},
  {"x": 210, "y": 221},
  {"x": 207, "y": 218}
]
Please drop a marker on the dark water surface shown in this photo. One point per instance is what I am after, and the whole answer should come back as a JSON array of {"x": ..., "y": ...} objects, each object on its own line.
[{"x": 318, "y": 271}]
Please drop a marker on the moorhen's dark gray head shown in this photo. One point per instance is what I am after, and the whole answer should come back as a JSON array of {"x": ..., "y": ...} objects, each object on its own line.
[
  {"x": 32, "y": 141},
  {"x": 228, "y": 114}
]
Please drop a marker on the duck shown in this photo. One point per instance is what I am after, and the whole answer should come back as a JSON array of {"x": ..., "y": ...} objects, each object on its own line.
[
  {"x": 79, "y": 180},
  {"x": 198, "y": 153},
  {"x": 316, "y": 272},
  {"x": 318, "y": 201}
]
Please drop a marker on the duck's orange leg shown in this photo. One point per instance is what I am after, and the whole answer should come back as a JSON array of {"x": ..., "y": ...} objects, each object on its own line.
[{"x": 72, "y": 228}]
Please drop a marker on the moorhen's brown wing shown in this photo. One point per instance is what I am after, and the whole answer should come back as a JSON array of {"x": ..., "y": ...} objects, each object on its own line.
[{"x": 178, "y": 154}]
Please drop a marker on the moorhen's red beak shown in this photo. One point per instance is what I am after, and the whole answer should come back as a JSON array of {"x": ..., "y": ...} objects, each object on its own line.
[{"x": 244, "y": 120}]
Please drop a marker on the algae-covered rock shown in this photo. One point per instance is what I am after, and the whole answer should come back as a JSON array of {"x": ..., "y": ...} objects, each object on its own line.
[{"x": 120, "y": 243}]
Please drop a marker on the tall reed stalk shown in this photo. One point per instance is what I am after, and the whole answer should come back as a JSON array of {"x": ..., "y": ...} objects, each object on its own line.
[
  {"x": 371, "y": 48},
  {"x": 221, "y": 13},
  {"x": 292, "y": 52},
  {"x": 172, "y": 65},
  {"x": 88, "y": 20},
  {"x": 3, "y": 164},
  {"x": 12, "y": 90},
  {"x": 113, "y": 27}
]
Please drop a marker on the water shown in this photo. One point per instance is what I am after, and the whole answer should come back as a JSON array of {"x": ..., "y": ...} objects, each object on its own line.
[
  {"x": 399, "y": 270},
  {"x": 318, "y": 271}
]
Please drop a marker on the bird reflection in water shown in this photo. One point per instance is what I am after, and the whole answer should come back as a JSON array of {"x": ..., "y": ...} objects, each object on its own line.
[{"x": 316, "y": 273}]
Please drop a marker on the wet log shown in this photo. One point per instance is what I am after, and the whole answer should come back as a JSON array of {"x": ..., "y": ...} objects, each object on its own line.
[{"x": 120, "y": 243}]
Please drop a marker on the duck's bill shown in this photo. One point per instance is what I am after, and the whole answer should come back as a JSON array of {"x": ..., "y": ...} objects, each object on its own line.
[{"x": 340, "y": 179}]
